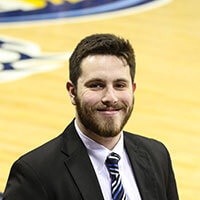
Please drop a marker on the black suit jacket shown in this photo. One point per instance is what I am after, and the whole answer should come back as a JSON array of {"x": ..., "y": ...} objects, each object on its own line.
[{"x": 61, "y": 170}]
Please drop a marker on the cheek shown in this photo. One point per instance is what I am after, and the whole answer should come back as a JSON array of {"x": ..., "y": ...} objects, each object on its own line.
[
  {"x": 127, "y": 98},
  {"x": 90, "y": 98}
]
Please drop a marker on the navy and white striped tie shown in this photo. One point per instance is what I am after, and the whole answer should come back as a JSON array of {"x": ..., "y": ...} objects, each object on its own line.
[{"x": 117, "y": 189}]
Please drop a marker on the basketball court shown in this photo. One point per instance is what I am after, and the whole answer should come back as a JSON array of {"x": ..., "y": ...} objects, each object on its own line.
[{"x": 36, "y": 42}]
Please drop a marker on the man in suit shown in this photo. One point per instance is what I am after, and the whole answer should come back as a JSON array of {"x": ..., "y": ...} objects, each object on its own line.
[{"x": 94, "y": 158}]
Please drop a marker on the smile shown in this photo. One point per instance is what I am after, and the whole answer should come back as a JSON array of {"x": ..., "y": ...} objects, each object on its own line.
[{"x": 109, "y": 111}]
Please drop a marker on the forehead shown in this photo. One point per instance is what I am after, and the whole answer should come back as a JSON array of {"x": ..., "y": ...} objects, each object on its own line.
[{"x": 104, "y": 66}]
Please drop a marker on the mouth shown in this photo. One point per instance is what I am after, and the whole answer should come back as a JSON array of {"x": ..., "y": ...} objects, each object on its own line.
[{"x": 109, "y": 111}]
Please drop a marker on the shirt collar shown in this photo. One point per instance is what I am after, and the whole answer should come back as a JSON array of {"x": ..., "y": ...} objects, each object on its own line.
[{"x": 97, "y": 152}]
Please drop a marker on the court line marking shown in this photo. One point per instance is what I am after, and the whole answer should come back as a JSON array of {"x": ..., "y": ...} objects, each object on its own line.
[
  {"x": 24, "y": 58},
  {"x": 84, "y": 19}
]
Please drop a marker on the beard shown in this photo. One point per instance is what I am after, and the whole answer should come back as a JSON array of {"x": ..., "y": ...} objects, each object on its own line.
[{"x": 106, "y": 127}]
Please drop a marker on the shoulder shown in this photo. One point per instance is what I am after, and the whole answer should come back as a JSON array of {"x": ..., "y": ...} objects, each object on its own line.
[
  {"x": 43, "y": 155},
  {"x": 136, "y": 138},
  {"x": 142, "y": 141},
  {"x": 49, "y": 151},
  {"x": 153, "y": 148},
  {"x": 31, "y": 173}
]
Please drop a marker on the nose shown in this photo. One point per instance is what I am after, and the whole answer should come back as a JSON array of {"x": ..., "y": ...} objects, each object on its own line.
[{"x": 109, "y": 96}]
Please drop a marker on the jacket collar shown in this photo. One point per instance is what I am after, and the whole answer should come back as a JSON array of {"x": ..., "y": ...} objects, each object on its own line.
[{"x": 76, "y": 159}]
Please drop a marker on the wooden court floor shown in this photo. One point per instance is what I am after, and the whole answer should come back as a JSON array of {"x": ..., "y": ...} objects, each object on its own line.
[{"x": 167, "y": 45}]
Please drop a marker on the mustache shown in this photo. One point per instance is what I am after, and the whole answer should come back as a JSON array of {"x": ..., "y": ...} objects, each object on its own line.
[{"x": 109, "y": 107}]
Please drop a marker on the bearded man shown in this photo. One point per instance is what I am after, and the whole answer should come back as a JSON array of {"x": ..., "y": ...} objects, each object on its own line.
[{"x": 94, "y": 158}]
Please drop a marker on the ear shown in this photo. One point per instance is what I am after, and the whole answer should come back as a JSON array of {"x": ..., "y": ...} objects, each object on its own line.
[
  {"x": 71, "y": 90},
  {"x": 134, "y": 87}
]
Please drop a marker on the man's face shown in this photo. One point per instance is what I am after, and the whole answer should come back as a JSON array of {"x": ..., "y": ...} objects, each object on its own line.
[{"x": 105, "y": 95}]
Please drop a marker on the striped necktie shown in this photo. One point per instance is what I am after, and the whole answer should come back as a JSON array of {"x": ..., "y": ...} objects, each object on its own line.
[{"x": 117, "y": 189}]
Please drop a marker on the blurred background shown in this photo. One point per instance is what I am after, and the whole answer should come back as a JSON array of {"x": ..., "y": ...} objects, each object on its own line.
[{"x": 36, "y": 40}]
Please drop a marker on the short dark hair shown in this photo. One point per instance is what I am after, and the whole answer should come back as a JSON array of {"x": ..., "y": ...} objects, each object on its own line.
[{"x": 100, "y": 44}]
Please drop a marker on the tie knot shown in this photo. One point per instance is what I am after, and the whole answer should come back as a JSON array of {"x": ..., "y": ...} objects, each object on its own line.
[{"x": 112, "y": 162}]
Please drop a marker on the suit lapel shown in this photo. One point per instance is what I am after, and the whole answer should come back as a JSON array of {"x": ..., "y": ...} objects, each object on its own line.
[
  {"x": 79, "y": 164},
  {"x": 142, "y": 169}
]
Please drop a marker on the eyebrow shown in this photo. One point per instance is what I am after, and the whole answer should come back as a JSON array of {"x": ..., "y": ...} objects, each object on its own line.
[
  {"x": 94, "y": 80},
  {"x": 121, "y": 80},
  {"x": 102, "y": 80}
]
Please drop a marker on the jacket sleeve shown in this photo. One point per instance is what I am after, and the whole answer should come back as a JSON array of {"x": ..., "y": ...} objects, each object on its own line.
[{"x": 24, "y": 183}]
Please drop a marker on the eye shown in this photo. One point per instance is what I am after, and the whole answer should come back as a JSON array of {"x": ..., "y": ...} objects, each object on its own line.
[
  {"x": 96, "y": 85},
  {"x": 120, "y": 85}
]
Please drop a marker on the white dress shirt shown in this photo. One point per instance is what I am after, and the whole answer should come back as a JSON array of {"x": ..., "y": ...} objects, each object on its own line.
[{"x": 98, "y": 154}]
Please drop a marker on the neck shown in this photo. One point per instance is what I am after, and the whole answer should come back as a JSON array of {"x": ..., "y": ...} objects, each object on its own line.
[{"x": 108, "y": 142}]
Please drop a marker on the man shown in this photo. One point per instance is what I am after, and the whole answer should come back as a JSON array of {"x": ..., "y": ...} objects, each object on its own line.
[{"x": 93, "y": 158}]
